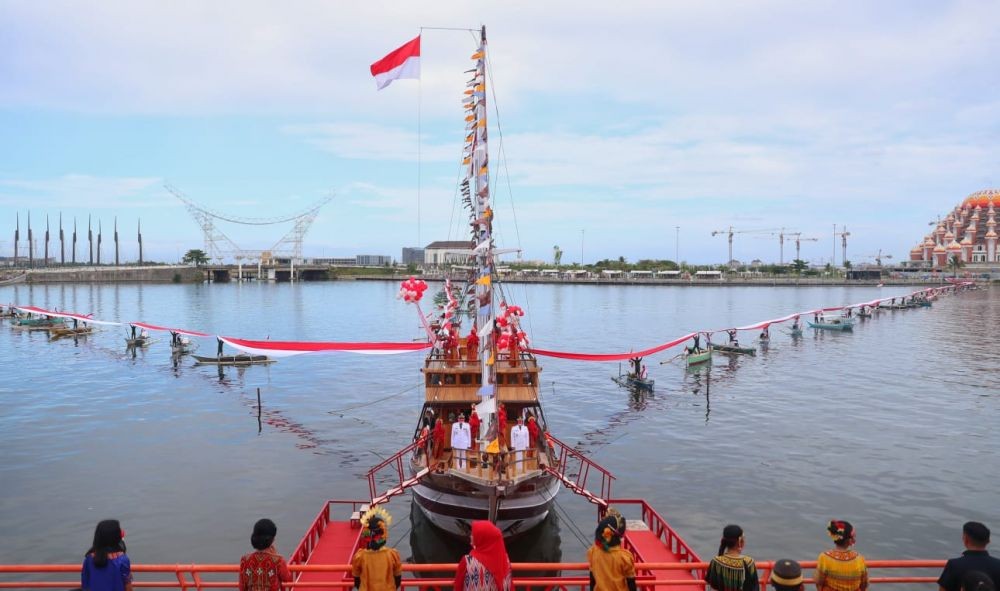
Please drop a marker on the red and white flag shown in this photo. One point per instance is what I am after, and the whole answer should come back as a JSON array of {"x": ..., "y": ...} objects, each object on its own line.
[{"x": 403, "y": 62}]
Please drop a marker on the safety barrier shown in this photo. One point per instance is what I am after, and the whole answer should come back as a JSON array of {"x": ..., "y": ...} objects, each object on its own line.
[{"x": 193, "y": 576}]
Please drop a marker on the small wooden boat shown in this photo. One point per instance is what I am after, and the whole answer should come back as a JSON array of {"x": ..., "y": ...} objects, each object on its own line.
[
  {"x": 795, "y": 332},
  {"x": 864, "y": 314},
  {"x": 697, "y": 357},
  {"x": 65, "y": 331},
  {"x": 233, "y": 359},
  {"x": 733, "y": 349},
  {"x": 39, "y": 323},
  {"x": 633, "y": 383},
  {"x": 139, "y": 341},
  {"x": 833, "y": 324}
]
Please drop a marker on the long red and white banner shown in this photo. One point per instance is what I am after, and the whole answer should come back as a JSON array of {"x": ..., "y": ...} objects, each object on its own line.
[
  {"x": 88, "y": 318},
  {"x": 183, "y": 331},
  {"x": 290, "y": 348}
]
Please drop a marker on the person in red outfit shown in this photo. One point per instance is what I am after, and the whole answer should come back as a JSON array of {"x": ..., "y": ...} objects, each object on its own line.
[
  {"x": 533, "y": 431},
  {"x": 263, "y": 569},
  {"x": 472, "y": 345}
]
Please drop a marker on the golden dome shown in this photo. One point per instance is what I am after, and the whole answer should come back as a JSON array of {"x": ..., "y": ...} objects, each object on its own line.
[{"x": 984, "y": 198}]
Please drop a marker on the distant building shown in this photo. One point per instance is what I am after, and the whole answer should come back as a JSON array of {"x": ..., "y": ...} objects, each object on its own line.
[
  {"x": 444, "y": 252},
  {"x": 334, "y": 261},
  {"x": 413, "y": 255},
  {"x": 968, "y": 233},
  {"x": 373, "y": 260}
]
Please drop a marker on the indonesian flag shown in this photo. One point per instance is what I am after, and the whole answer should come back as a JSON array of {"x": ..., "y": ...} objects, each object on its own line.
[{"x": 403, "y": 62}]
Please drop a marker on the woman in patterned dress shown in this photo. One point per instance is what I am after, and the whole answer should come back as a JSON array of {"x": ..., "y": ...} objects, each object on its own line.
[
  {"x": 731, "y": 570},
  {"x": 841, "y": 569},
  {"x": 486, "y": 567},
  {"x": 263, "y": 569}
]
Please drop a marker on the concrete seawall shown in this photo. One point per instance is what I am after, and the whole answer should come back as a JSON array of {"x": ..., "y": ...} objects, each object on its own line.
[{"x": 130, "y": 274}]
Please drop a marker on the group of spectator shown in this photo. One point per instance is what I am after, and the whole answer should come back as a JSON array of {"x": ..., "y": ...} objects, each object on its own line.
[{"x": 376, "y": 567}]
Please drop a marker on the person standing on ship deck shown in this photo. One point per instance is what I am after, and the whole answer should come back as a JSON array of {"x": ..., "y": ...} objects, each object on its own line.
[
  {"x": 461, "y": 438},
  {"x": 263, "y": 569},
  {"x": 437, "y": 441},
  {"x": 472, "y": 345},
  {"x": 486, "y": 567},
  {"x": 612, "y": 568},
  {"x": 107, "y": 567},
  {"x": 841, "y": 569},
  {"x": 975, "y": 537},
  {"x": 519, "y": 440},
  {"x": 731, "y": 570}
]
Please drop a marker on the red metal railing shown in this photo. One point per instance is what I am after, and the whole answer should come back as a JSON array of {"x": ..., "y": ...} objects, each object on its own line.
[
  {"x": 666, "y": 534},
  {"x": 190, "y": 576},
  {"x": 568, "y": 459},
  {"x": 315, "y": 531},
  {"x": 396, "y": 461}
]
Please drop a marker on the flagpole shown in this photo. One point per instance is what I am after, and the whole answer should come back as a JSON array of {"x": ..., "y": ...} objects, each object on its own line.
[{"x": 419, "y": 161}]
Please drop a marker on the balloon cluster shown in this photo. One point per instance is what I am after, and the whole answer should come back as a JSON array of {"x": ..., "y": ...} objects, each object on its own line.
[
  {"x": 509, "y": 329},
  {"x": 411, "y": 290}
]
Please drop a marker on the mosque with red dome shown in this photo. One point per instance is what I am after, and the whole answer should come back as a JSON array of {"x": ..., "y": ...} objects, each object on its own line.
[{"x": 968, "y": 233}]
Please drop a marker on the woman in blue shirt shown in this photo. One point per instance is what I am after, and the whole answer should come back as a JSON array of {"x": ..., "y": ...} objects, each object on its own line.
[{"x": 106, "y": 567}]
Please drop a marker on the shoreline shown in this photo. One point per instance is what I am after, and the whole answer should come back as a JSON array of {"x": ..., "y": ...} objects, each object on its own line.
[{"x": 186, "y": 274}]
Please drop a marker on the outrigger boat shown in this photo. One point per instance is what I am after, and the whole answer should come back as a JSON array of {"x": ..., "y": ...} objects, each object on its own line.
[
  {"x": 732, "y": 349},
  {"x": 233, "y": 360},
  {"x": 696, "y": 356},
  {"x": 833, "y": 323},
  {"x": 38, "y": 323},
  {"x": 635, "y": 379},
  {"x": 73, "y": 331}
]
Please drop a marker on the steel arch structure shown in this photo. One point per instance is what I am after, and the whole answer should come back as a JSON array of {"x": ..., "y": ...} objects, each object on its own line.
[{"x": 220, "y": 247}]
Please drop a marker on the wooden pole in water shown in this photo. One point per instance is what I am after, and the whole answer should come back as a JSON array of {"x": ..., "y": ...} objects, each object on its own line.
[{"x": 260, "y": 427}]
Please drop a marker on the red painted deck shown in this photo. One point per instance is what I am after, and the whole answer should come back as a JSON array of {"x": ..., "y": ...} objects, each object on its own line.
[
  {"x": 649, "y": 548},
  {"x": 335, "y": 546}
]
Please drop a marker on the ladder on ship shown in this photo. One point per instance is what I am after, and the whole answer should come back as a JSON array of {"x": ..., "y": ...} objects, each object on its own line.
[{"x": 402, "y": 482}]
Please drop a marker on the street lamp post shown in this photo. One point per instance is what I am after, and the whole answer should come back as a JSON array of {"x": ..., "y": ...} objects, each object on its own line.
[{"x": 677, "y": 246}]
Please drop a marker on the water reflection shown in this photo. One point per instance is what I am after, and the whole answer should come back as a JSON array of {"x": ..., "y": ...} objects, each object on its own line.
[{"x": 431, "y": 545}]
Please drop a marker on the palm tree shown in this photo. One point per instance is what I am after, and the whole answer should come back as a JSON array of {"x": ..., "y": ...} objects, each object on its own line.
[
  {"x": 955, "y": 263},
  {"x": 799, "y": 266}
]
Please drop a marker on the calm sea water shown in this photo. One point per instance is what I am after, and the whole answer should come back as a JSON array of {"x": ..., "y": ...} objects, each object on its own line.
[{"x": 889, "y": 427}]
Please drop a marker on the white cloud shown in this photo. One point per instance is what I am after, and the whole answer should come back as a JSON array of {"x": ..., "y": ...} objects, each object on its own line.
[{"x": 81, "y": 190}]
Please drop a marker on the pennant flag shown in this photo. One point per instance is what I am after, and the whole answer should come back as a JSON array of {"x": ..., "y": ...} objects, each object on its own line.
[
  {"x": 403, "y": 62},
  {"x": 484, "y": 280}
]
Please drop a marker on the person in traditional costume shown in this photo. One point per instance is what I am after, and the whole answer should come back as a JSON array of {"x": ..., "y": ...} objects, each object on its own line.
[
  {"x": 437, "y": 439},
  {"x": 502, "y": 423},
  {"x": 486, "y": 567},
  {"x": 472, "y": 345},
  {"x": 612, "y": 568},
  {"x": 731, "y": 570},
  {"x": 519, "y": 441},
  {"x": 841, "y": 569},
  {"x": 263, "y": 569},
  {"x": 533, "y": 432},
  {"x": 474, "y": 423},
  {"x": 461, "y": 439},
  {"x": 512, "y": 350},
  {"x": 375, "y": 567}
]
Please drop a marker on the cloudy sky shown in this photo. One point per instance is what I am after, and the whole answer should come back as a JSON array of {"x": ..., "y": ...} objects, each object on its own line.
[{"x": 620, "y": 122}]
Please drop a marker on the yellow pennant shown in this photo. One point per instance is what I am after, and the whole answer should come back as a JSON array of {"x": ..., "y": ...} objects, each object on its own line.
[
  {"x": 484, "y": 280},
  {"x": 493, "y": 447},
  {"x": 477, "y": 56}
]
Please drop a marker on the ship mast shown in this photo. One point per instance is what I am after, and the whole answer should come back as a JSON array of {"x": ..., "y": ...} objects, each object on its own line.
[{"x": 476, "y": 157}]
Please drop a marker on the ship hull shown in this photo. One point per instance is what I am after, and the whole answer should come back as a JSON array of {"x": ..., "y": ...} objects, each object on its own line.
[{"x": 454, "y": 513}]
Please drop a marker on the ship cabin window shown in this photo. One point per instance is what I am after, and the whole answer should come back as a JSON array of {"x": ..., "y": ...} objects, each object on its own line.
[
  {"x": 449, "y": 379},
  {"x": 465, "y": 379},
  {"x": 433, "y": 379},
  {"x": 529, "y": 379},
  {"x": 479, "y": 379}
]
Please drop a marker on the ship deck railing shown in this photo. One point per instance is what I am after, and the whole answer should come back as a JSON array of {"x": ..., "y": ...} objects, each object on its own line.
[{"x": 224, "y": 576}]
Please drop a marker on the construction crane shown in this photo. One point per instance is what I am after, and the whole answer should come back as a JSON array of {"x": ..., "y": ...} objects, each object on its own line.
[
  {"x": 798, "y": 243},
  {"x": 781, "y": 243},
  {"x": 730, "y": 232},
  {"x": 843, "y": 241},
  {"x": 878, "y": 257}
]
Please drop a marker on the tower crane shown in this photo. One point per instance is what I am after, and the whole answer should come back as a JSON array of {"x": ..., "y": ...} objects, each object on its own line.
[
  {"x": 843, "y": 241},
  {"x": 730, "y": 232},
  {"x": 798, "y": 243},
  {"x": 781, "y": 243},
  {"x": 878, "y": 257}
]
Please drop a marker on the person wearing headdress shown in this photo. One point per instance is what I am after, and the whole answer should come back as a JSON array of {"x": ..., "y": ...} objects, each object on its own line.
[
  {"x": 461, "y": 439},
  {"x": 731, "y": 570},
  {"x": 486, "y": 567},
  {"x": 786, "y": 575},
  {"x": 841, "y": 569},
  {"x": 375, "y": 567},
  {"x": 502, "y": 422},
  {"x": 612, "y": 568},
  {"x": 519, "y": 442}
]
